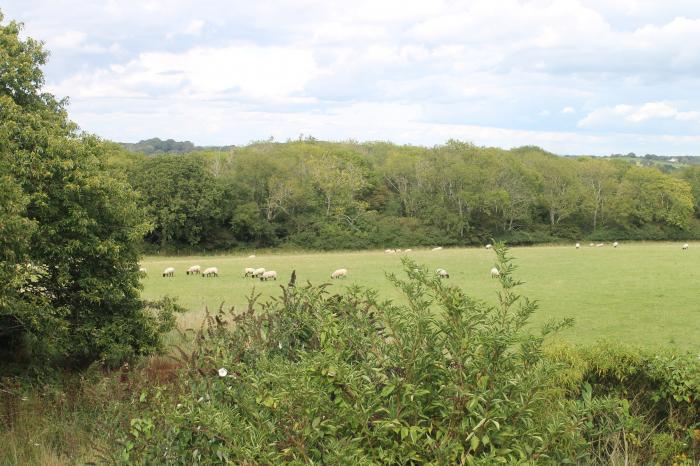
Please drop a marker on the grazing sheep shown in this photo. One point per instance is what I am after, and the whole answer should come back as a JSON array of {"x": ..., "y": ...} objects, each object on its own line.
[
  {"x": 489, "y": 246},
  {"x": 600, "y": 245},
  {"x": 398, "y": 250},
  {"x": 407, "y": 250},
  {"x": 615, "y": 244},
  {"x": 194, "y": 270},
  {"x": 340, "y": 273},
  {"x": 249, "y": 271},
  {"x": 210, "y": 272},
  {"x": 257, "y": 272},
  {"x": 270, "y": 274},
  {"x": 442, "y": 273},
  {"x": 389, "y": 251},
  {"x": 495, "y": 273},
  {"x": 252, "y": 256},
  {"x": 578, "y": 246},
  {"x": 591, "y": 245},
  {"x": 439, "y": 248},
  {"x": 685, "y": 247},
  {"x": 169, "y": 272},
  {"x": 143, "y": 271}
]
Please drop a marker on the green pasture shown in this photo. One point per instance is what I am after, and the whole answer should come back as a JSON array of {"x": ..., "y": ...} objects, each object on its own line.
[{"x": 639, "y": 293}]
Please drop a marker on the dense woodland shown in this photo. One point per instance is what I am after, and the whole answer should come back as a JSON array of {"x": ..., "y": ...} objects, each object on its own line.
[{"x": 328, "y": 195}]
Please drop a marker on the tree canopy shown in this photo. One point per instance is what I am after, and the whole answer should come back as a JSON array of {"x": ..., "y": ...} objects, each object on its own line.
[
  {"x": 329, "y": 195},
  {"x": 69, "y": 229}
]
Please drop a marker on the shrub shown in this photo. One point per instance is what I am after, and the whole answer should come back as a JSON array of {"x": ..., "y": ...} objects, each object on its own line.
[{"x": 347, "y": 378}]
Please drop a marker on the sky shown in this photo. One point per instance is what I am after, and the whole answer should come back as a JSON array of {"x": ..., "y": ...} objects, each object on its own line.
[{"x": 571, "y": 76}]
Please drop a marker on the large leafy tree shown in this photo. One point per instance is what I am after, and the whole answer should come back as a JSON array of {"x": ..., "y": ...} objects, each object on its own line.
[
  {"x": 646, "y": 196},
  {"x": 182, "y": 197},
  {"x": 69, "y": 230}
]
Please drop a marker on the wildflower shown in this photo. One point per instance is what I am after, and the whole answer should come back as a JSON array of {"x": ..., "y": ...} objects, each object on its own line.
[
  {"x": 280, "y": 345},
  {"x": 223, "y": 372}
]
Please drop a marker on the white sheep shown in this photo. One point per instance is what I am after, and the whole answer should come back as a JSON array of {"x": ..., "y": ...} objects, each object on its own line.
[
  {"x": 685, "y": 247},
  {"x": 340, "y": 273},
  {"x": 439, "y": 248},
  {"x": 442, "y": 273},
  {"x": 210, "y": 272},
  {"x": 600, "y": 245},
  {"x": 268, "y": 275},
  {"x": 169, "y": 272},
  {"x": 257, "y": 272},
  {"x": 252, "y": 256},
  {"x": 578, "y": 246},
  {"x": 489, "y": 246},
  {"x": 495, "y": 273},
  {"x": 389, "y": 251},
  {"x": 194, "y": 270},
  {"x": 591, "y": 245},
  {"x": 407, "y": 250},
  {"x": 398, "y": 250},
  {"x": 616, "y": 244},
  {"x": 249, "y": 271},
  {"x": 143, "y": 271}
]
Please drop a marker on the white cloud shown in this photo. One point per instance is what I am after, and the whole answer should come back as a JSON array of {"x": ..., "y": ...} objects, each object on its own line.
[
  {"x": 67, "y": 39},
  {"x": 481, "y": 69},
  {"x": 194, "y": 27},
  {"x": 635, "y": 114},
  {"x": 202, "y": 73}
]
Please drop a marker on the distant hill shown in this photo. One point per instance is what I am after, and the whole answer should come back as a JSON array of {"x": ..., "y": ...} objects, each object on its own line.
[{"x": 155, "y": 146}]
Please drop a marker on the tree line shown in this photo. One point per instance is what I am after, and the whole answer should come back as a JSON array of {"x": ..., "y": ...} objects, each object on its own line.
[{"x": 337, "y": 195}]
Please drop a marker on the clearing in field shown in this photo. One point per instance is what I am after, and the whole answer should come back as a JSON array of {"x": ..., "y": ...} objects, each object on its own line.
[{"x": 638, "y": 293}]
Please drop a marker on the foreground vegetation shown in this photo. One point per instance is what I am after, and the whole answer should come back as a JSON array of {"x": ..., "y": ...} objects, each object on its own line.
[
  {"x": 639, "y": 293},
  {"x": 314, "y": 376}
]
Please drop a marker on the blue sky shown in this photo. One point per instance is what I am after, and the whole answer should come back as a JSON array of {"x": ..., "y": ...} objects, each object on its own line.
[{"x": 572, "y": 76}]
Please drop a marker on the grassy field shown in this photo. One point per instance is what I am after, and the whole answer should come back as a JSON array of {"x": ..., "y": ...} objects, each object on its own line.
[{"x": 638, "y": 293}]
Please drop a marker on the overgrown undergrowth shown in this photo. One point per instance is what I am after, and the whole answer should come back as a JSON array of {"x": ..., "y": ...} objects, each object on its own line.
[{"x": 319, "y": 378}]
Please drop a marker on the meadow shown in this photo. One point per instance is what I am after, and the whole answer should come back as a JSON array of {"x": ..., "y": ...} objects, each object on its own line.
[{"x": 639, "y": 293}]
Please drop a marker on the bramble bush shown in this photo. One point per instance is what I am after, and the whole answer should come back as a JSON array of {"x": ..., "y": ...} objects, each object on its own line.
[
  {"x": 438, "y": 378},
  {"x": 347, "y": 378}
]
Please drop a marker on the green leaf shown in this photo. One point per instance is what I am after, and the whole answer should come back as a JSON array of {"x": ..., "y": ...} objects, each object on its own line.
[
  {"x": 388, "y": 390},
  {"x": 474, "y": 442}
]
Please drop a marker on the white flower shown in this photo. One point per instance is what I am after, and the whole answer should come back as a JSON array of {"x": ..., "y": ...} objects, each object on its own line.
[
  {"x": 223, "y": 372},
  {"x": 280, "y": 345}
]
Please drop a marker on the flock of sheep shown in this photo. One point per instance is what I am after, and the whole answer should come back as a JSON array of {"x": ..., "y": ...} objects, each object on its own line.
[
  {"x": 261, "y": 273},
  {"x": 194, "y": 270},
  {"x": 265, "y": 275}
]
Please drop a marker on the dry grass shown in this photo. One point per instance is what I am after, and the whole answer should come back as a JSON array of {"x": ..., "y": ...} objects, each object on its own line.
[{"x": 72, "y": 420}]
